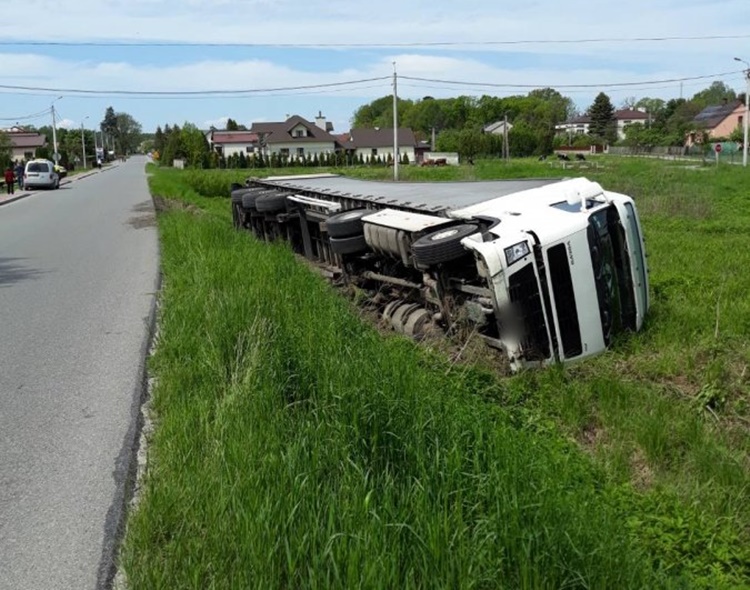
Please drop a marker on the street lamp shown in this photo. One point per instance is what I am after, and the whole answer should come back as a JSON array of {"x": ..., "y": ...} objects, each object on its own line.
[
  {"x": 55, "y": 156},
  {"x": 83, "y": 144},
  {"x": 747, "y": 110}
]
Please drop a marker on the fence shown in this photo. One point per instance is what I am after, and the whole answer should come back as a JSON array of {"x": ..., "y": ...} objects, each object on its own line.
[{"x": 730, "y": 151}]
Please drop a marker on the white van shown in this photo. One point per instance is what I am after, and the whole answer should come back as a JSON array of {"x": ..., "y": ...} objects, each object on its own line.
[{"x": 40, "y": 174}]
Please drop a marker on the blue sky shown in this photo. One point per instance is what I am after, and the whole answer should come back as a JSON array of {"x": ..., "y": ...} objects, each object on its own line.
[{"x": 378, "y": 34}]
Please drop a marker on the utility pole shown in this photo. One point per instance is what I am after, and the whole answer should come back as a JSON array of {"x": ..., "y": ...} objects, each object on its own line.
[
  {"x": 55, "y": 156},
  {"x": 747, "y": 110},
  {"x": 395, "y": 123},
  {"x": 506, "y": 147},
  {"x": 83, "y": 144}
]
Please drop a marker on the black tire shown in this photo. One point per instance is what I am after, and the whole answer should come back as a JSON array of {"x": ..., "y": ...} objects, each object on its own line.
[
  {"x": 237, "y": 194},
  {"x": 443, "y": 245},
  {"x": 349, "y": 245},
  {"x": 248, "y": 200},
  {"x": 347, "y": 224},
  {"x": 271, "y": 203}
]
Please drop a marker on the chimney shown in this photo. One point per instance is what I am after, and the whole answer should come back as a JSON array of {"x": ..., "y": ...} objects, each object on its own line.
[{"x": 320, "y": 121}]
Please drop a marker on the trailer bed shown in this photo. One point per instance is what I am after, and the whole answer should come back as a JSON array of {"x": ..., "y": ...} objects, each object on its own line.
[{"x": 434, "y": 197}]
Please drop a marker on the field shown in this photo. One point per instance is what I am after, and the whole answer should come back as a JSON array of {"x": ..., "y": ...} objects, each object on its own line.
[{"x": 298, "y": 447}]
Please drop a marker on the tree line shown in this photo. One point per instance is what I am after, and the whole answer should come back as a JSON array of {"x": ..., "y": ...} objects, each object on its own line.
[
  {"x": 458, "y": 125},
  {"x": 118, "y": 132},
  {"x": 459, "y": 122}
]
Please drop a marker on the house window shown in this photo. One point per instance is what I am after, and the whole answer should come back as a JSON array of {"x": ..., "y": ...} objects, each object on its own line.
[
  {"x": 374, "y": 152},
  {"x": 284, "y": 152},
  {"x": 249, "y": 149},
  {"x": 739, "y": 120},
  {"x": 300, "y": 152},
  {"x": 28, "y": 155},
  {"x": 299, "y": 133}
]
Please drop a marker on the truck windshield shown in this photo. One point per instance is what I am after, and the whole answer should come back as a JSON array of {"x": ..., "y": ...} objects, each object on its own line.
[{"x": 612, "y": 275}]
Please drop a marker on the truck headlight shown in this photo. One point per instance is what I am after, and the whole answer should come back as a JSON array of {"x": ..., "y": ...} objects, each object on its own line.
[{"x": 515, "y": 252}]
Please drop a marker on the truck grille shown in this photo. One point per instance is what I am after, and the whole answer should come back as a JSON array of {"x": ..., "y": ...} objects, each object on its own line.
[
  {"x": 527, "y": 303},
  {"x": 565, "y": 301}
]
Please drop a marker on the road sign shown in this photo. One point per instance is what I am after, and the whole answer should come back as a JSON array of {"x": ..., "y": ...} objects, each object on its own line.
[{"x": 717, "y": 148}]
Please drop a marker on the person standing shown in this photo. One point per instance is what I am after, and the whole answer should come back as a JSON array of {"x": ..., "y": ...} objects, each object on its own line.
[
  {"x": 19, "y": 175},
  {"x": 10, "y": 178}
]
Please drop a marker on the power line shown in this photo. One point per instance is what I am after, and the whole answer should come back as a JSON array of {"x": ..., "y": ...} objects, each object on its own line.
[
  {"x": 645, "y": 83},
  {"x": 374, "y": 45},
  {"x": 24, "y": 117},
  {"x": 227, "y": 93},
  {"x": 170, "y": 93}
]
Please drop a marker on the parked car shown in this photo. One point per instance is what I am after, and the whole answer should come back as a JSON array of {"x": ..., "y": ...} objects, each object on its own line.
[{"x": 40, "y": 174}]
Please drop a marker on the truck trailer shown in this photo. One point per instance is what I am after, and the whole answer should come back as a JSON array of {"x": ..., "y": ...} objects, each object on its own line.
[{"x": 543, "y": 270}]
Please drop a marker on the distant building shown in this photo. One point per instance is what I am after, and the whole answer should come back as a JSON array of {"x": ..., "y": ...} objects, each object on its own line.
[
  {"x": 24, "y": 144},
  {"x": 623, "y": 117},
  {"x": 296, "y": 137},
  {"x": 230, "y": 143},
  {"x": 497, "y": 128},
  {"x": 717, "y": 121},
  {"x": 378, "y": 143}
]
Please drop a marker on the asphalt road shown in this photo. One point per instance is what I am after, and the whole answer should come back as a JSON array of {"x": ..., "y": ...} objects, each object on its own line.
[{"x": 78, "y": 275}]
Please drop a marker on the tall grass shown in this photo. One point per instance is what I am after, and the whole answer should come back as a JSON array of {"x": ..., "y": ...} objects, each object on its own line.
[{"x": 297, "y": 448}]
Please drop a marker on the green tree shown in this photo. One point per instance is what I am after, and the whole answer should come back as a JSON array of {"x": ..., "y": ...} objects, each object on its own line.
[
  {"x": 128, "y": 134},
  {"x": 159, "y": 140},
  {"x": 195, "y": 146},
  {"x": 379, "y": 113},
  {"x": 109, "y": 123},
  {"x": 603, "y": 124},
  {"x": 123, "y": 129},
  {"x": 173, "y": 148},
  {"x": 6, "y": 149},
  {"x": 523, "y": 140},
  {"x": 715, "y": 94},
  {"x": 469, "y": 143},
  {"x": 653, "y": 106}
]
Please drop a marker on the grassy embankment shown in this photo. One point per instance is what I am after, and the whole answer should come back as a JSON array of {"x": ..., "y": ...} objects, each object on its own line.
[{"x": 296, "y": 447}]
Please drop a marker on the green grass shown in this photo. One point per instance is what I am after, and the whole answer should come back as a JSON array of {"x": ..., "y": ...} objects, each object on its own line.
[{"x": 298, "y": 448}]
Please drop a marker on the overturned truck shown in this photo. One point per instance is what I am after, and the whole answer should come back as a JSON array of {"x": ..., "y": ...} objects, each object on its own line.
[{"x": 543, "y": 270}]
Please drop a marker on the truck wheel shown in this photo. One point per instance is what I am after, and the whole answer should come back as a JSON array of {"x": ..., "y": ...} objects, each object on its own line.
[
  {"x": 271, "y": 203},
  {"x": 442, "y": 246},
  {"x": 237, "y": 194},
  {"x": 350, "y": 245},
  {"x": 347, "y": 224},
  {"x": 248, "y": 200}
]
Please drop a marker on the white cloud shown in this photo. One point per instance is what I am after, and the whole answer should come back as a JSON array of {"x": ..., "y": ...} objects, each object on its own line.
[
  {"x": 67, "y": 124},
  {"x": 344, "y": 21},
  {"x": 219, "y": 123}
]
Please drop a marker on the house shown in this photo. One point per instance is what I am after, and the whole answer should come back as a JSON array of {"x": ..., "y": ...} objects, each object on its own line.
[
  {"x": 230, "y": 143},
  {"x": 575, "y": 126},
  {"x": 378, "y": 142},
  {"x": 497, "y": 128},
  {"x": 717, "y": 121},
  {"x": 296, "y": 137},
  {"x": 623, "y": 117},
  {"x": 24, "y": 144}
]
